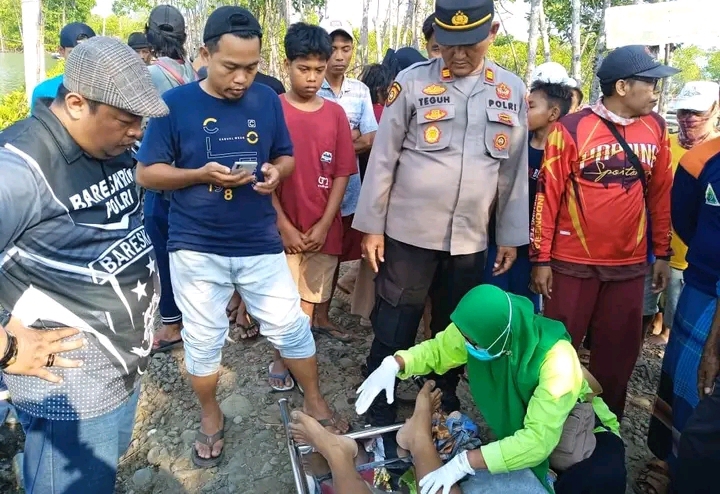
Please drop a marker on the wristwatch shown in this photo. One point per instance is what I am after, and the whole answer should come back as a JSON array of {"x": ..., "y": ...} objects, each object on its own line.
[{"x": 11, "y": 347}]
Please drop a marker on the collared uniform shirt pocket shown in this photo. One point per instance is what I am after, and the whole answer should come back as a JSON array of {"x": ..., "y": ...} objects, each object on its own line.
[
  {"x": 498, "y": 132},
  {"x": 435, "y": 127}
]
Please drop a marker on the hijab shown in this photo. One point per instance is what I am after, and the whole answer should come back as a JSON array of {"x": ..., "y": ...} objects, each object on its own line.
[
  {"x": 401, "y": 59},
  {"x": 502, "y": 388}
]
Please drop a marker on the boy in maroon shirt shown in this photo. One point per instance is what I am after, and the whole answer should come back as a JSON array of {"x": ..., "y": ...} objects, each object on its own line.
[{"x": 308, "y": 202}]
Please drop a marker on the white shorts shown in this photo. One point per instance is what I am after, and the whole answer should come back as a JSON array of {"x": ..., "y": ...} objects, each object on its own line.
[{"x": 203, "y": 285}]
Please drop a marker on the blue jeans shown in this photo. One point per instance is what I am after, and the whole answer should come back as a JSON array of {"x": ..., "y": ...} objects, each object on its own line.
[
  {"x": 517, "y": 279},
  {"x": 520, "y": 481},
  {"x": 155, "y": 211},
  {"x": 5, "y": 405},
  {"x": 71, "y": 456}
]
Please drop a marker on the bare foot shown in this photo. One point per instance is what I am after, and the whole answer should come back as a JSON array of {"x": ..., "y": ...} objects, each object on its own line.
[
  {"x": 420, "y": 424},
  {"x": 210, "y": 424},
  {"x": 307, "y": 430}
]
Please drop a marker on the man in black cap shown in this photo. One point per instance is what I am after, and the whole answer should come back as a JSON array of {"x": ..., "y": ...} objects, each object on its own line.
[
  {"x": 139, "y": 42},
  {"x": 70, "y": 36},
  {"x": 76, "y": 255},
  {"x": 435, "y": 171},
  {"x": 606, "y": 175},
  {"x": 231, "y": 148},
  {"x": 431, "y": 45}
]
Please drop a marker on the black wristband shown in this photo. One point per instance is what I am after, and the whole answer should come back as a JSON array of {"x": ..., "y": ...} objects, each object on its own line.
[
  {"x": 4, "y": 318},
  {"x": 11, "y": 348},
  {"x": 662, "y": 258}
]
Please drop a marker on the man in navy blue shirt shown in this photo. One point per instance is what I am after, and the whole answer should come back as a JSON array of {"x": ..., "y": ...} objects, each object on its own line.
[{"x": 231, "y": 148}]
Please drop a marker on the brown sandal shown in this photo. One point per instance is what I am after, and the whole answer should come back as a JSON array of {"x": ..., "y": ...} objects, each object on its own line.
[{"x": 652, "y": 479}]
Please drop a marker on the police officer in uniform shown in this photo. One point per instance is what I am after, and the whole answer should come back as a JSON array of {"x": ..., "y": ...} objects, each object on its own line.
[{"x": 452, "y": 142}]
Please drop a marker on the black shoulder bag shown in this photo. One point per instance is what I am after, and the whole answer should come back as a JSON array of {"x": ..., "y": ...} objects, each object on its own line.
[{"x": 629, "y": 154}]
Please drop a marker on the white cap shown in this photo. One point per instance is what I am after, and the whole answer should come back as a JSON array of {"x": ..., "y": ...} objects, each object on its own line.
[
  {"x": 332, "y": 25},
  {"x": 698, "y": 96},
  {"x": 552, "y": 73}
]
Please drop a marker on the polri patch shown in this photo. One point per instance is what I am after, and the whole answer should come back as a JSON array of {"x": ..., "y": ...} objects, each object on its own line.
[
  {"x": 434, "y": 90},
  {"x": 435, "y": 114},
  {"x": 393, "y": 93},
  {"x": 501, "y": 141},
  {"x": 503, "y": 91},
  {"x": 489, "y": 76},
  {"x": 432, "y": 134}
]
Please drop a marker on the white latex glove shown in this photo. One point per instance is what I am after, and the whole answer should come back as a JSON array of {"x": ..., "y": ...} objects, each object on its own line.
[
  {"x": 446, "y": 476},
  {"x": 382, "y": 378}
]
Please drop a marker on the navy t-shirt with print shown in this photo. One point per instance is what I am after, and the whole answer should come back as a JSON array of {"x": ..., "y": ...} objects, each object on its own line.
[
  {"x": 535, "y": 158},
  {"x": 199, "y": 129}
]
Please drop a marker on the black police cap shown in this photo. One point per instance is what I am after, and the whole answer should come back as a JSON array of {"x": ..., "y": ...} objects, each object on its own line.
[{"x": 463, "y": 22}]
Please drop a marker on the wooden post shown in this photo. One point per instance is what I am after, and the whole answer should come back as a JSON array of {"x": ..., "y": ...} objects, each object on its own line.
[{"x": 33, "y": 49}]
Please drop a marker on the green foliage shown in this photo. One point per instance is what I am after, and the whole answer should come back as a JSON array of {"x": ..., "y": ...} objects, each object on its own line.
[
  {"x": 559, "y": 15},
  {"x": 13, "y": 107},
  {"x": 713, "y": 66},
  {"x": 513, "y": 55},
  {"x": 116, "y": 26},
  {"x": 56, "y": 13}
]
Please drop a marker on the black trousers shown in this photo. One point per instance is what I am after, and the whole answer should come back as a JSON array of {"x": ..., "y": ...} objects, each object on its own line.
[
  {"x": 698, "y": 463},
  {"x": 603, "y": 473},
  {"x": 403, "y": 282}
]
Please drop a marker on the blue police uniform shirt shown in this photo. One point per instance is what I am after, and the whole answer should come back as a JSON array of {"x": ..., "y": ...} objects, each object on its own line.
[
  {"x": 46, "y": 89},
  {"x": 200, "y": 129}
]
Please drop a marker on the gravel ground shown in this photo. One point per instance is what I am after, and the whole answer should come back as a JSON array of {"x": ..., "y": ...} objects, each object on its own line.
[{"x": 255, "y": 457}]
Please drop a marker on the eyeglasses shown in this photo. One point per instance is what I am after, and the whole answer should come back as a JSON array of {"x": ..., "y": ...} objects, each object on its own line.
[{"x": 647, "y": 80}]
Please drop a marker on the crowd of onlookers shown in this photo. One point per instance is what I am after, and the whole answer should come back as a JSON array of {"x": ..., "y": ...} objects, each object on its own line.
[{"x": 530, "y": 237}]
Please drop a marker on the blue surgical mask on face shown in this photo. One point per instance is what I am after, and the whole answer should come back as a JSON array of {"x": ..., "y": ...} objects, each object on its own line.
[{"x": 483, "y": 354}]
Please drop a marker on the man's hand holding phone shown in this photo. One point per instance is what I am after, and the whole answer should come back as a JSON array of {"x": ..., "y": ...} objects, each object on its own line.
[{"x": 221, "y": 176}]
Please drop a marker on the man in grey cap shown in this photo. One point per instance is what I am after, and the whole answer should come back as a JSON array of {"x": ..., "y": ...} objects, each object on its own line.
[
  {"x": 607, "y": 176},
  {"x": 77, "y": 276},
  {"x": 70, "y": 36},
  {"x": 452, "y": 142}
]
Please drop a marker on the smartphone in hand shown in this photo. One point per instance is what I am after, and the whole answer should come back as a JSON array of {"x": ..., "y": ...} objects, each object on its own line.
[{"x": 248, "y": 166}]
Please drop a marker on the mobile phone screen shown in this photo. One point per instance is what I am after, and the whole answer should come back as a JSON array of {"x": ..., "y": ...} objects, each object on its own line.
[{"x": 248, "y": 166}]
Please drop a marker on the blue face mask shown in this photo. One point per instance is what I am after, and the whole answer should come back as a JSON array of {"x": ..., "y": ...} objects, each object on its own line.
[{"x": 483, "y": 354}]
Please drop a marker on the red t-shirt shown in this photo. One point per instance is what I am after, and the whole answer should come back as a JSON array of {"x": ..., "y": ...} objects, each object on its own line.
[
  {"x": 323, "y": 150},
  {"x": 378, "y": 109}
]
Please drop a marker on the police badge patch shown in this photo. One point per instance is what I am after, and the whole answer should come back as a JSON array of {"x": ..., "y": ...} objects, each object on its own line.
[
  {"x": 393, "y": 93},
  {"x": 501, "y": 142},
  {"x": 432, "y": 134}
]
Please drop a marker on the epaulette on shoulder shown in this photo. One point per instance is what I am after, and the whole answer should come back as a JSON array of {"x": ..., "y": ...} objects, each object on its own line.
[
  {"x": 695, "y": 159},
  {"x": 510, "y": 73}
]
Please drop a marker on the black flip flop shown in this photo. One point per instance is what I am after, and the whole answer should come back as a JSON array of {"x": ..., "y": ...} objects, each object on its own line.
[
  {"x": 331, "y": 333},
  {"x": 166, "y": 346},
  {"x": 210, "y": 441}
]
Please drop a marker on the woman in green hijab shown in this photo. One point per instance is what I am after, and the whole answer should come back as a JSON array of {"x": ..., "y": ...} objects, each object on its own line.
[{"x": 525, "y": 379}]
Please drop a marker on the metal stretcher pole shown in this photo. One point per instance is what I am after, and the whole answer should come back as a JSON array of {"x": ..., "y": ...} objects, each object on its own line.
[
  {"x": 295, "y": 462},
  {"x": 361, "y": 434}
]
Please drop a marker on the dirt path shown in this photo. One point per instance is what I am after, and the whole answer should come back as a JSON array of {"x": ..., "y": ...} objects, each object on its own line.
[{"x": 256, "y": 459}]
